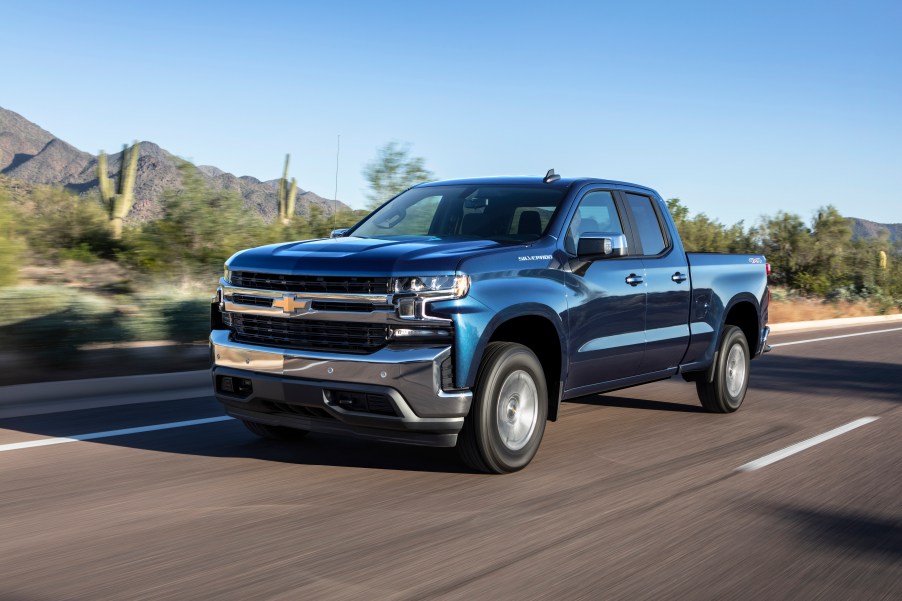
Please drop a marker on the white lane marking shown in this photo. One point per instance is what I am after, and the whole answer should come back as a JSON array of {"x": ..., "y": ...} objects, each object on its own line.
[
  {"x": 835, "y": 337},
  {"x": 805, "y": 444},
  {"x": 93, "y": 435}
]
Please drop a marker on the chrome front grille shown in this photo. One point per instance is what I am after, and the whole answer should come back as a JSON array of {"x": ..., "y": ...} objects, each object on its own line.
[
  {"x": 310, "y": 283},
  {"x": 316, "y": 305}
]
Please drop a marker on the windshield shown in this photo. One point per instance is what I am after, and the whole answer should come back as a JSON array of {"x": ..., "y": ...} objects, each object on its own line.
[{"x": 504, "y": 213}]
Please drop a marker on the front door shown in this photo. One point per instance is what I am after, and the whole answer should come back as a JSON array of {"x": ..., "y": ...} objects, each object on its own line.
[{"x": 606, "y": 301}]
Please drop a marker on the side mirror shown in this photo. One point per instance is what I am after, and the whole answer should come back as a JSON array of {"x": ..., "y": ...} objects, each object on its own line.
[
  {"x": 594, "y": 245},
  {"x": 339, "y": 232}
]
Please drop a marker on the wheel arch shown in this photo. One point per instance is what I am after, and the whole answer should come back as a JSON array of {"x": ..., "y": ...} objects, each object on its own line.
[
  {"x": 742, "y": 312},
  {"x": 537, "y": 328}
]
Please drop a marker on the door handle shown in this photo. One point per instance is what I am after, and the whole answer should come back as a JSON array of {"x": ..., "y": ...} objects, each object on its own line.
[
  {"x": 634, "y": 280},
  {"x": 678, "y": 277}
]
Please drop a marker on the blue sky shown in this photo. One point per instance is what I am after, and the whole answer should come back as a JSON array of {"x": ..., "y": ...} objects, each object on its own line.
[{"x": 740, "y": 110}]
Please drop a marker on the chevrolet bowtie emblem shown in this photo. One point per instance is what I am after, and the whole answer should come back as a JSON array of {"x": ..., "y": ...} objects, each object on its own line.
[{"x": 291, "y": 304}]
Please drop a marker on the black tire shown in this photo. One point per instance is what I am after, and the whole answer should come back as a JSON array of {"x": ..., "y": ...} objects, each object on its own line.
[
  {"x": 503, "y": 434},
  {"x": 726, "y": 391},
  {"x": 274, "y": 432}
]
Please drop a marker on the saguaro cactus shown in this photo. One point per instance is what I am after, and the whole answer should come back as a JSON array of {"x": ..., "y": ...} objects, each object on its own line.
[
  {"x": 288, "y": 193},
  {"x": 119, "y": 203}
]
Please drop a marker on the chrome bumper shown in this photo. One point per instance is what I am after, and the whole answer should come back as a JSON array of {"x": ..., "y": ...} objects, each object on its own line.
[{"x": 410, "y": 377}]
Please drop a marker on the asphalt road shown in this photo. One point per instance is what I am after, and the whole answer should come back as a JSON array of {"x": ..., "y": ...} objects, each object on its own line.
[{"x": 633, "y": 495}]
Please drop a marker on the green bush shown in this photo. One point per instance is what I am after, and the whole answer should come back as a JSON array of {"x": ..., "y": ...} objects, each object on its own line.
[
  {"x": 818, "y": 285},
  {"x": 10, "y": 245},
  {"x": 59, "y": 223},
  {"x": 162, "y": 316},
  {"x": 200, "y": 228},
  {"x": 24, "y": 303},
  {"x": 46, "y": 324}
]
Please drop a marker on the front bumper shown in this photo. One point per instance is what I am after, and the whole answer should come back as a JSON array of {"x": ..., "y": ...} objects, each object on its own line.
[{"x": 303, "y": 389}]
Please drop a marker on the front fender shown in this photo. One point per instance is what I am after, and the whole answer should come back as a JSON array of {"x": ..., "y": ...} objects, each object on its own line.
[
  {"x": 477, "y": 317},
  {"x": 520, "y": 310}
]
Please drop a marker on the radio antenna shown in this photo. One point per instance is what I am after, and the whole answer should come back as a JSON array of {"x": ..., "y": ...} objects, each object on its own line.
[{"x": 335, "y": 195}]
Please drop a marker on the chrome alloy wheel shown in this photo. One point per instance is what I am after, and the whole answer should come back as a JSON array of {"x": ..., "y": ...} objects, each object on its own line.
[
  {"x": 735, "y": 367},
  {"x": 517, "y": 410}
]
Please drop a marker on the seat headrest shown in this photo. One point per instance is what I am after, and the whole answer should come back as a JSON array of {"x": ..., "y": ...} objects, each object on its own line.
[{"x": 530, "y": 223}]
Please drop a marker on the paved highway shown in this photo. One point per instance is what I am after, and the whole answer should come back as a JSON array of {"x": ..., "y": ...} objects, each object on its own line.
[{"x": 633, "y": 495}]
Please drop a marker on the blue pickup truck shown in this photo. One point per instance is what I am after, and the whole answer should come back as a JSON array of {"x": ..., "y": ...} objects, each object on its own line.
[{"x": 462, "y": 313}]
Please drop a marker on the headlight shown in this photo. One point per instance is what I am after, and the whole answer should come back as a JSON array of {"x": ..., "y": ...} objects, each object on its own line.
[
  {"x": 414, "y": 293},
  {"x": 455, "y": 286}
]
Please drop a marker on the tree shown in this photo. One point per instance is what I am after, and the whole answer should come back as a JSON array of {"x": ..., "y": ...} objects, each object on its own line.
[
  {"x": 57, "y": 223},
  {"x": 787, "y": 244},
  {"x": 832, "y": 234},
  {"x": 393, "y": 171},
  {"x": 701, "y": 234},
  {"x": 200, "y": 228}
]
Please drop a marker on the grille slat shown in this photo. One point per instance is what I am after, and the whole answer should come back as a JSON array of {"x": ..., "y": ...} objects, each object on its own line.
[
  {"x": 310, "y": 283},
  {"x": 349, "y": 337},
  {"x": 257, "y": 301},
  {"x": 340, "y": 306}
]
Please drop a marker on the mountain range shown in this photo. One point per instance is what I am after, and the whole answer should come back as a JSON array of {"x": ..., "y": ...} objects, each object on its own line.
[
  {"x": 862, "y": 228},
  {"x": 31, "y": 154}
]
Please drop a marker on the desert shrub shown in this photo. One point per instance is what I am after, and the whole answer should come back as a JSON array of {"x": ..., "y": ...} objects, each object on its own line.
[
  {"x": 200, "y": 228},
  {"x": 167, "y": 316},
  {"x": 58, "y": 224},
  {"x": 46, "y": 325},
  {"x": 11, "y": 245}
]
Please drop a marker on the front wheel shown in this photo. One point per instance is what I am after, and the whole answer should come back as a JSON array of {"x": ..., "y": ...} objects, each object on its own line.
[
  {"x": 726, "y": 390},
  {"x": 506, "y": 422}
]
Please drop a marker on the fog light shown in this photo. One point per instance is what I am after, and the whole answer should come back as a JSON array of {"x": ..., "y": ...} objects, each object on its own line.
[
  {"x": 240, "y": 387},
  {"x": 244, "y": 386},
  {"x": 410, "y": 333}
]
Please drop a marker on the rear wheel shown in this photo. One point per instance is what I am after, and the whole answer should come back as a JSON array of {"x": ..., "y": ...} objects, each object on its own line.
[
  {"x": 507, "y": 418},
  {"x": 274, "y": 432},
  {"x": 726, "y": 390}
]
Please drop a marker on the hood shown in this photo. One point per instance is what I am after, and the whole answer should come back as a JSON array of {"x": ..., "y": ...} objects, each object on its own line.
[{"x": 404, "y": 256}]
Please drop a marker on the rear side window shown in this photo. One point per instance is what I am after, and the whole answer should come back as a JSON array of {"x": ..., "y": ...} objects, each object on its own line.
[{"x": 647, "y": 224}]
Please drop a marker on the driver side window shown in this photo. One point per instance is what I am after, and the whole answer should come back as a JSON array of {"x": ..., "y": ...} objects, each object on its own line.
[{"x": 596, "y": 213}]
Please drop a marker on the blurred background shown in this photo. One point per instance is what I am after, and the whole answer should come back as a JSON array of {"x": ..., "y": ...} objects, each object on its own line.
[{"x": 772, "y": 129}]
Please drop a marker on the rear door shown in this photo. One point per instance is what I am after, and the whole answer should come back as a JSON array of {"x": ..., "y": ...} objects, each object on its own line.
[
  {"x": 606, "y": 299},
  {"x": 667, "y": 281}
]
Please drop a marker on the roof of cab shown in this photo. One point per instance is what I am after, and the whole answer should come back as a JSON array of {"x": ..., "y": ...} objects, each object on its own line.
[{"x": 564, "y": 182}]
